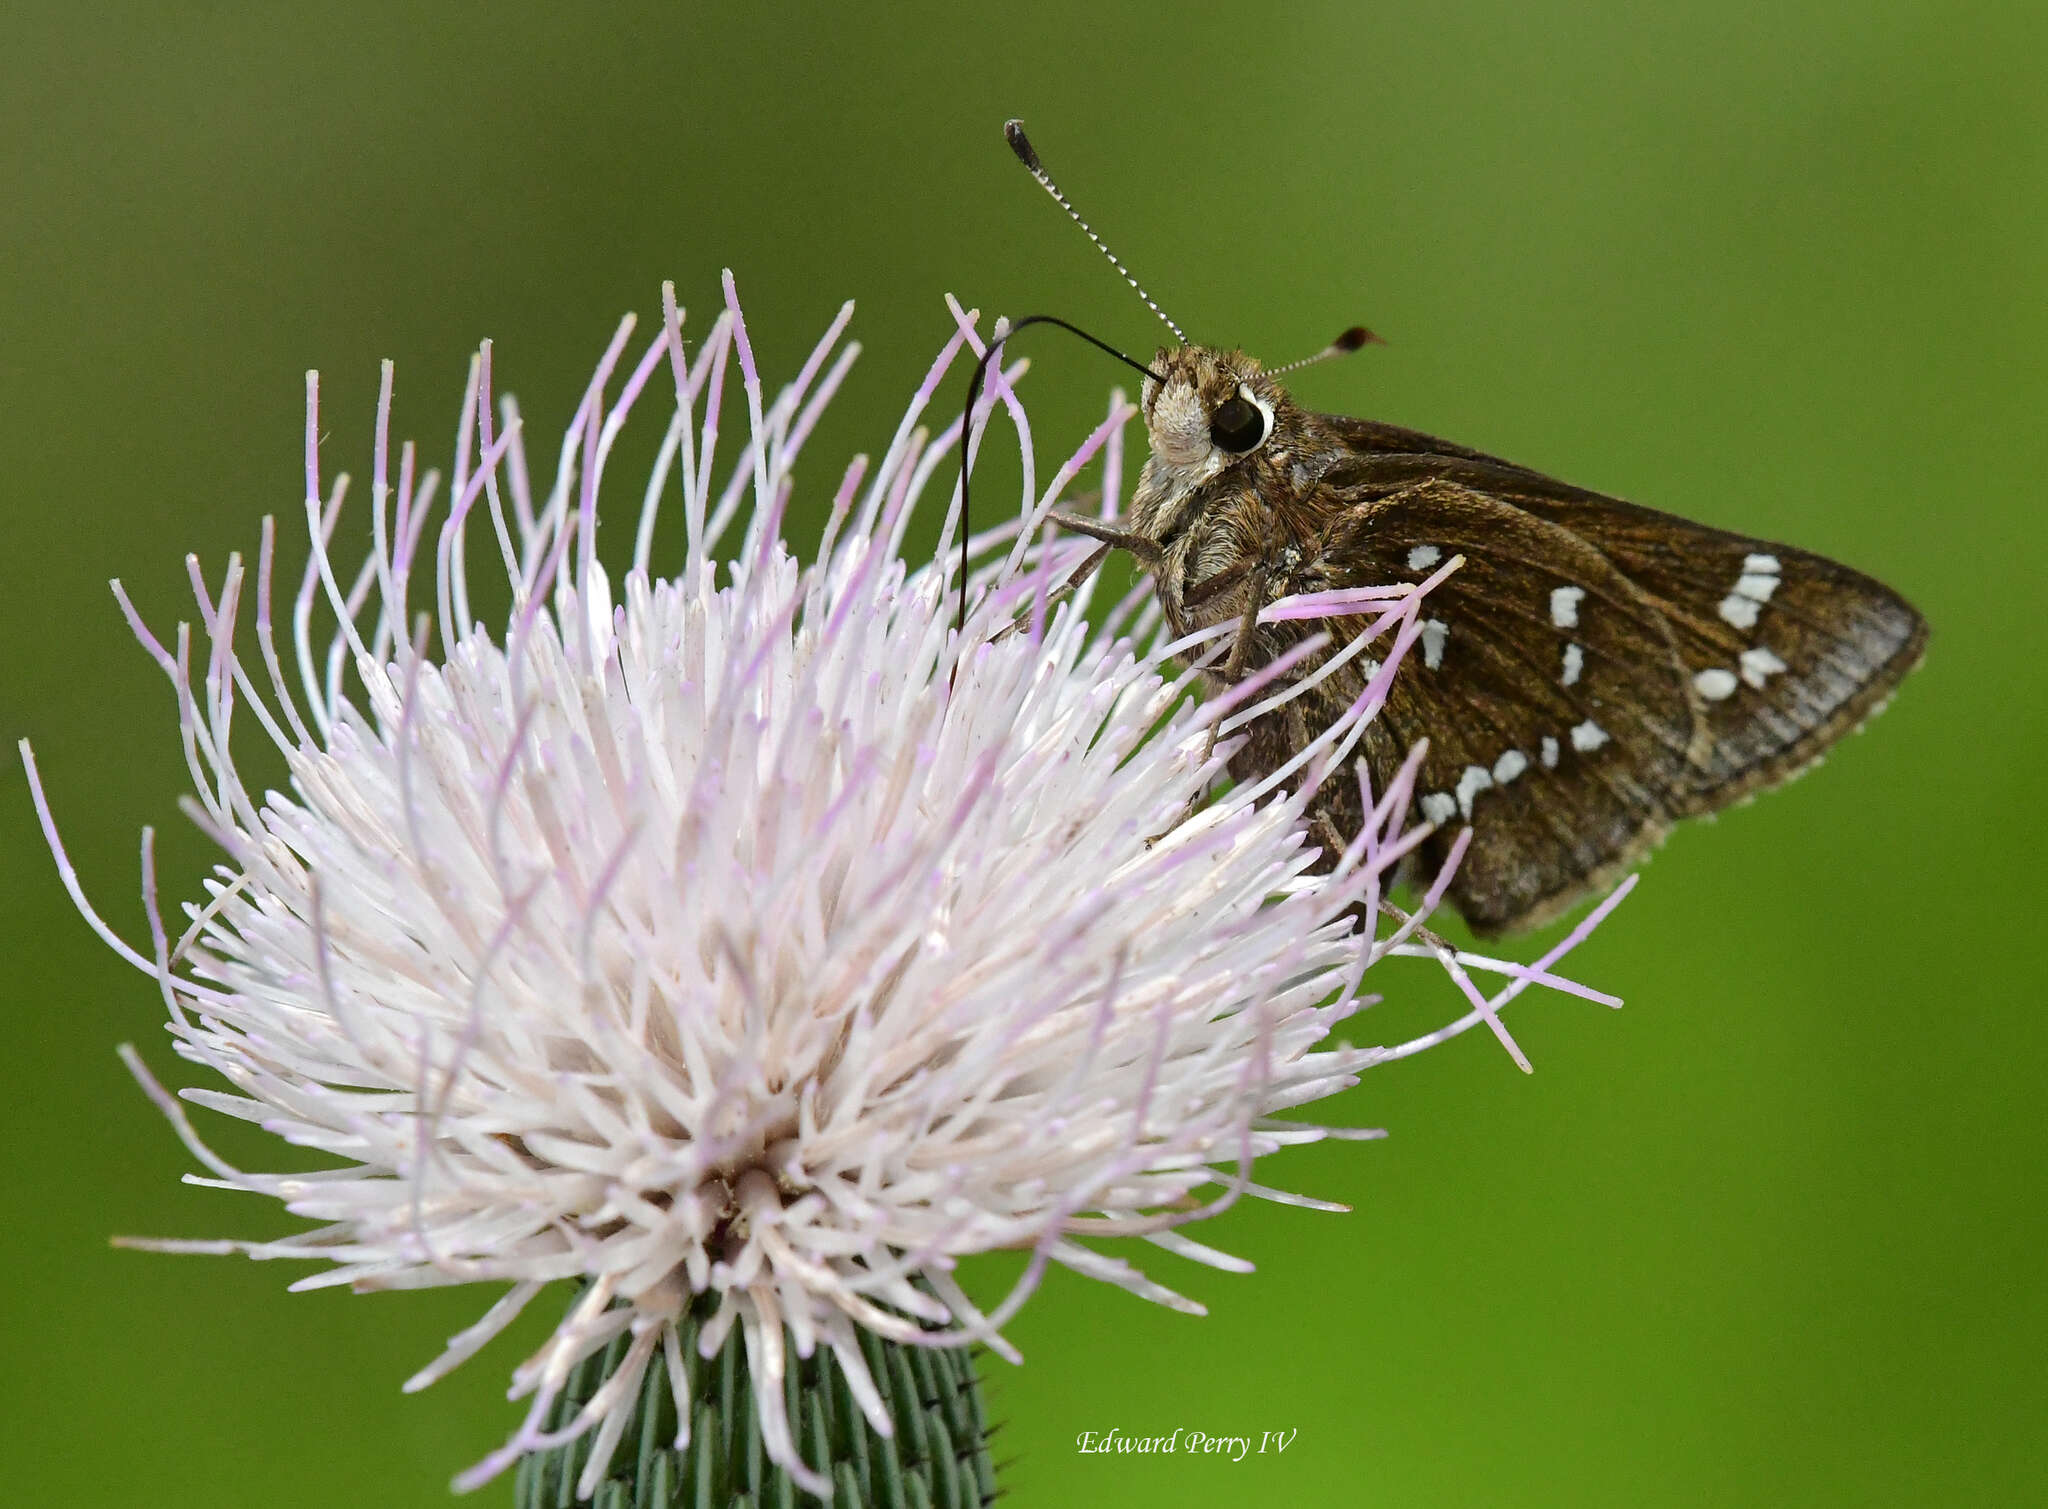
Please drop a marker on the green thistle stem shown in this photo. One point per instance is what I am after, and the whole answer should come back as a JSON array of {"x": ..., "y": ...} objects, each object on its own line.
[{"x": 938, "y": 1457}]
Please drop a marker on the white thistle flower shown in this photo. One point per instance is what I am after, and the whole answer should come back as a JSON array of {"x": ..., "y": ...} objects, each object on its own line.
[{"x": 764, "y": 938}]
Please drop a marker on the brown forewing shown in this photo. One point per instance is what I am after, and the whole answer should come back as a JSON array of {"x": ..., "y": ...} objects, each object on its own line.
[
  {"x": 1674, "y": 680},
  {"x": 1811, "y": 647}
]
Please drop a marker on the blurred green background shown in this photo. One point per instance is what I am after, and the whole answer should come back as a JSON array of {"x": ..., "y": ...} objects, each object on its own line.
[{"x": 1772, "y": 1234}]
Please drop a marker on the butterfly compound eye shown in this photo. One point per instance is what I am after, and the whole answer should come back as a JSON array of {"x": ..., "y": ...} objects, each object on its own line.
[{"x": 1237, "y": 425}]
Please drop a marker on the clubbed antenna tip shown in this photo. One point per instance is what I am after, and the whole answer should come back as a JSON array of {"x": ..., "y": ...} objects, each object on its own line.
[
  {"x": 1351, "y": 340},
  {"x": 1013, "y": 133}
]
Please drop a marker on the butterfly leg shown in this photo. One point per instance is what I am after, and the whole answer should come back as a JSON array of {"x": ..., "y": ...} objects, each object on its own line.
[
  {"x": 1063, "y": 591},
  {"x": 1240, "y": 648},
  {"x": 1143, "y": 546},
  {"x": 1209, "y": 586},
  {"x": 1428, "y": 937},
  {"x": 1324, "y": 830},
  {"x": 1247, "y": 624}
]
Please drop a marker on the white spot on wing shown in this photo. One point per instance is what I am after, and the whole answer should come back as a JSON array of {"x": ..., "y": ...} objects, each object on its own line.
[
  {"x": 1508, "y": 766},
  {"x": 1549, "y": 753},
  {"x": 1760, "y": 665},
  {"x": 1588, "y": 736},
  {"x": 1422, "y": 557},
  {"x": 1475, "y": 779},
  {"x": 1574, "y": 663},
  {"x": 1753, "y": 587},
  {"x": 1715, "y": 684},
  {"x": 1758, "y": 587},
  {"x": 1564, "y": 606},
  {"x": 1437, "y": 806},
  {"x": 1434, "y": 632},
  {"x": 1739, "y": 611}
]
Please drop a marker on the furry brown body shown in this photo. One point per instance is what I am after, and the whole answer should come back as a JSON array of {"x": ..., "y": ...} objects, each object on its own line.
[{"x": 1592, "y": 673}]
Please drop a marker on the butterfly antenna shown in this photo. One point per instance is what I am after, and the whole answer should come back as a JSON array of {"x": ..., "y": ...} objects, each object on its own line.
[
  {"x": 974, "y": 384},
  {"x": 1013, "y": 132},
  {"x": 1350, "y": 341}
]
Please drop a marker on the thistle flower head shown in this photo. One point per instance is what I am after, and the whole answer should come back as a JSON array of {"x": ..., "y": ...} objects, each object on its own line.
[{"x": 750, "y": 933}]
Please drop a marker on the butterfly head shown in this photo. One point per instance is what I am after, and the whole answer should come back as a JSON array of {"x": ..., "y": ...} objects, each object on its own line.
[{"x": 1214, "y": 410}]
